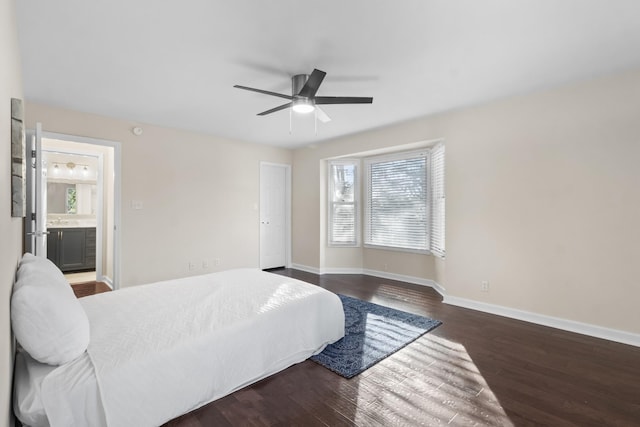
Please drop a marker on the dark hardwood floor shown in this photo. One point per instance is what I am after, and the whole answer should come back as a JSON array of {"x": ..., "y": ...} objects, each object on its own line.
[
  {"x": 475, "y": 369},
  {"x": 89, "y": 288}
]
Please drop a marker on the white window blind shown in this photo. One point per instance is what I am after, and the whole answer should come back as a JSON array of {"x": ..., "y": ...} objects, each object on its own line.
[
  {"x": 343, "y": 208},
  {"x": 397, "y": 212},
  {"x": 437, "y": 237}
]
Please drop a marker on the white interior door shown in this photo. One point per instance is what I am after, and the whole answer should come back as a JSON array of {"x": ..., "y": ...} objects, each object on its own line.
[
  {"x": 36, "y": 221},
  {"x": 273, "y": 215}
]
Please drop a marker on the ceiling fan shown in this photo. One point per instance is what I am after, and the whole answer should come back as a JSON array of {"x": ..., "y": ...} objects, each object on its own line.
[{"x": 303, "y": 97}]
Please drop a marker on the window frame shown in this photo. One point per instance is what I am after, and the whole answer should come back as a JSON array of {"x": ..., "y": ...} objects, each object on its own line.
[
  {"x": 356, "y": 203},
  {"x": 403, "y": 155},
  {"x": 437, "y": 222}
]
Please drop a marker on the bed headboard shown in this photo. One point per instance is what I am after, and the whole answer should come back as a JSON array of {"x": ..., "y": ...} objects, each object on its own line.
[{"x": 7, "y": 342}]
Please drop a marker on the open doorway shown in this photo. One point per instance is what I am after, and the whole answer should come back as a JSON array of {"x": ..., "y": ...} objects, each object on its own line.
[
  {"x": 80, "y": 209},
  {"x": 73, "y": 203},
  {"x": 74, "y": 208}
]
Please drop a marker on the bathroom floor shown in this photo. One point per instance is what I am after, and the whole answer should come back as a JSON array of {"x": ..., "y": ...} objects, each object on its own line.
[{"x": 86, "y": 276}]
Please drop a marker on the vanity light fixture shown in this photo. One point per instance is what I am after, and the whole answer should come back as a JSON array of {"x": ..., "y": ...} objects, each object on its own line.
[{"x": 70, "y": 168}]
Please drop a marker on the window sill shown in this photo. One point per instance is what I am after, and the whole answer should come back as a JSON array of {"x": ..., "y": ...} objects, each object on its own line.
[{"x": 394, "y": 249}]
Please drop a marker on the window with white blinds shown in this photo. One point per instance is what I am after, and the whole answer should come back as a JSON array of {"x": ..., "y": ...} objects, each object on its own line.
[
  {"x": 396, "y": 192},
  {"x": 437, "y": 201},
  {"x": 401, "y": 211},
  {"x": 343, "y": 203}
]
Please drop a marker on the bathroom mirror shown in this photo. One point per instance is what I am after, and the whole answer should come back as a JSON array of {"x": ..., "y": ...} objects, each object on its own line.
[{"x": 71, "y": 198}]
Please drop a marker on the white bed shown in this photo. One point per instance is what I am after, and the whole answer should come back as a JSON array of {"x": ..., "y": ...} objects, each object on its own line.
[{"x": 158, "y": 351}]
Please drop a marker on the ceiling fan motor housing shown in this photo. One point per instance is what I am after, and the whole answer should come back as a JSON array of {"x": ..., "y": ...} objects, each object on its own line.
[
  {"x": 301, "y": 104},
  {"x": 297, "y": 82}
]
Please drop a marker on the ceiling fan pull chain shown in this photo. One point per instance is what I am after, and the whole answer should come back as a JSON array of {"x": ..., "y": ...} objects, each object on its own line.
[
  {"x": 315, "y": 120},
  {"x": 290, "y": 121}
]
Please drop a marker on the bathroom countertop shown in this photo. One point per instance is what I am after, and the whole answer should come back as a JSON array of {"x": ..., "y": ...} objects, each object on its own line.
[{"x": 72, "y": 224}]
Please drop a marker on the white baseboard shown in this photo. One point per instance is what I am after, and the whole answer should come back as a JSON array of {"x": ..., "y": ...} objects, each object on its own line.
[
  {"x": 383, "y": 274},
  {"x": 409, "y": 279},
  {"x": 527, "y": 316},
  {"x": 306, "y": 268},
  {"x": 343, "y": 271},
  {"x": 553, "y": 322},
  {"x": 105, "y": 279}
]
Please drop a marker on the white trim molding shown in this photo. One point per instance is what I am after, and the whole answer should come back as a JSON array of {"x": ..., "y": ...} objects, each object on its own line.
[
  {"x": 409, "y": 279},
  {"x": 382, "y": 274},
  {"x": 105, "y": 279},
  {"x": 117, "y": 194},
  {"x": 553, "y": 322},
  {"x": 343, "y": 270},
  {"x": 306, "y": 268},
  {"x": 595, "y": 331}
]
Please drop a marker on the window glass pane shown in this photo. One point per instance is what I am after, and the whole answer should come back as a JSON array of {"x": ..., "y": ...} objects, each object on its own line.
[
  {"x": 343, "y": 228},
  {"x": 71, "y": 200},
  {"x": 397, "y": 203},
  {"x": 343, "y": 183}
]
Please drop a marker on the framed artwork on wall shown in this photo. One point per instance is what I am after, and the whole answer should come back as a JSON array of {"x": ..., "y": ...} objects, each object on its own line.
[{"x": 18, "y": 163}]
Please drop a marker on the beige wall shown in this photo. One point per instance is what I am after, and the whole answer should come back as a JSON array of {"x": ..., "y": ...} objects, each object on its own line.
[
  {"x": 543, "y": 201},
  {"x": 402, "y": 263},
  {"x": 305, "y": 208},
  {"x": 200, "y": 194},
  {"x": 10, "y": 228}
]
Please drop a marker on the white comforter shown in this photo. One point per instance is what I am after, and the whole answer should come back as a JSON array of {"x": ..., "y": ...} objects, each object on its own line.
[{"x": 164, "y": 349}]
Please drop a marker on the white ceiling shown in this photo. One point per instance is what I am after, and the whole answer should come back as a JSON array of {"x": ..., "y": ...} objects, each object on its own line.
[{"x": 174, "y": 63}]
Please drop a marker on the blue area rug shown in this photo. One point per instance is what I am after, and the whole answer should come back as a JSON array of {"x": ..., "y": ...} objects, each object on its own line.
[{"x": 372, "y": 333}]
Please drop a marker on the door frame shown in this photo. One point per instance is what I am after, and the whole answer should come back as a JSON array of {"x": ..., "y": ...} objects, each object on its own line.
[
  {"x": 114, "y": 281},
  {"x": 287, "y": 219}
]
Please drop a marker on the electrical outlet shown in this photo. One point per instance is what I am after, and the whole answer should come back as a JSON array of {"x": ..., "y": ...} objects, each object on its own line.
[
  {"x": 216, "y": 262},
  {"x": 205, "y": 264},
  {"x": 484, "y": 286},
  {"x": 192, "y": 265}
]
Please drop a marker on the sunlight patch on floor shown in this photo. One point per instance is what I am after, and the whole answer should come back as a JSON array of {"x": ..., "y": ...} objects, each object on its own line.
[{"x": 432, "y": 381}]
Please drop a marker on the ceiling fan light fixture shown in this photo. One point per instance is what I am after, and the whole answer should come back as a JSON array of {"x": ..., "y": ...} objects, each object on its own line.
[
  {"x": 303, "y": 106},
  {"x": 303, "y": 97}
]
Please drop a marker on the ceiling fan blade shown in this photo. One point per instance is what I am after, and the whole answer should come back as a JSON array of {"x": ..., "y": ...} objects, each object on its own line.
[
  {"x": 266, "y": 92},
  {"x": 273, "y": 110},
  {"x": 343, "y": 100},
  {"x": 313, "y": 83},
  {"x": 321, "y": 115}
]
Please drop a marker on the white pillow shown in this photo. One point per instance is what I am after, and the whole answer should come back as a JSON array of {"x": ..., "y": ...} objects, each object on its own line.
[{"x": 47, "y": 319}]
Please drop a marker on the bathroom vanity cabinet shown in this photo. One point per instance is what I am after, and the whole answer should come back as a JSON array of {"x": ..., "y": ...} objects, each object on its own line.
[{"x": 72, "y": 249}]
